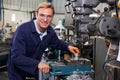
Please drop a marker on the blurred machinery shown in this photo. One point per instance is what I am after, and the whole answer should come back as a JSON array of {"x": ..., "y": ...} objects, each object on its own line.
[
  {"x": 6, "y": 34},
  {"x": 66, "y": 67},
  {"x": 4, "y": 50},
  {"x": 106, "y": 25},
  {"x": 60, "y": 30},
  {"x": 72, "y": 70}
]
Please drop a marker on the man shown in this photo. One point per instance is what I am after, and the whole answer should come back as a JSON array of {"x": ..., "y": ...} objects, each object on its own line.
[{"x": 29, "y": 43}]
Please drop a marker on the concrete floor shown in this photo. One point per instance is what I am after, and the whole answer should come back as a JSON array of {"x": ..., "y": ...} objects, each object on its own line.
[{"x": 3, "y": 76}]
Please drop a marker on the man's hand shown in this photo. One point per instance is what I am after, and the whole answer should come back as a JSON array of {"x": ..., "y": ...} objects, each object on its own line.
[
  {"x": 45, "y": 68},
  {"x": 73, "y": 49}
]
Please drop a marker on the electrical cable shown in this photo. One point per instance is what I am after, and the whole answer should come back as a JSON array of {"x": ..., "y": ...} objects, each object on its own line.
[{"x": 107, "y": 61}]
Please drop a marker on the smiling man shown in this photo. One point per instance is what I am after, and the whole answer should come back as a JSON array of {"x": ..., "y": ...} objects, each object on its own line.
[{"x": 29, "y": 43}]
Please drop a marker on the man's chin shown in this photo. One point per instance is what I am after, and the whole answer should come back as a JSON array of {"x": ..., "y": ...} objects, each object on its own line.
[{"x": 44, "y": 27}]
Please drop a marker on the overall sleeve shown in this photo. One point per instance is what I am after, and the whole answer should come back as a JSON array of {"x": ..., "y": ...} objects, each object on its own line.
[
  {"x": 18, "y": 54},
  {"x": 57, "y": 43}
]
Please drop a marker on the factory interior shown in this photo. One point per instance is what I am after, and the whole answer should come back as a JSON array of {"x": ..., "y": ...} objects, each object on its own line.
[{"x": 91, "y": 25}]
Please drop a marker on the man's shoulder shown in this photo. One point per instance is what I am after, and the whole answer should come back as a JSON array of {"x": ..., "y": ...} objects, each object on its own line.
[
  {"x": 27, "y": 23},
  {"x": 26, "y": 27}
]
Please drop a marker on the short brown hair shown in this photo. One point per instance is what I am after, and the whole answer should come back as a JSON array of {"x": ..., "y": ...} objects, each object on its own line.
[{"x": 46, "y": 5}]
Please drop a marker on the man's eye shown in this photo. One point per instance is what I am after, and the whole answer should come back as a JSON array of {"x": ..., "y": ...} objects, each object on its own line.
[
  {"x": 45, "y": 16},
  {"x": 49, "y": 16}
]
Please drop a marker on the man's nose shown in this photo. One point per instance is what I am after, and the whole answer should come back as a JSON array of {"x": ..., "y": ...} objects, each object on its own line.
[{"x": 45, "y": 18}]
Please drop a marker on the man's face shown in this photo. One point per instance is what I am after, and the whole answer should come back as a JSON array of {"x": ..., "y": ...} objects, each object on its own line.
[{"x": 44, "y": 17}]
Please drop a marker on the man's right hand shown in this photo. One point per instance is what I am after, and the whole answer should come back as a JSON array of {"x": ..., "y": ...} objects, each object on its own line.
[{"x": 45, "y": 68}]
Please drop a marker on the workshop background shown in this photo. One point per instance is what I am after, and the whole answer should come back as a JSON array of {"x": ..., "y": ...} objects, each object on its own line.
[{"x": 15, "y": 12}]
